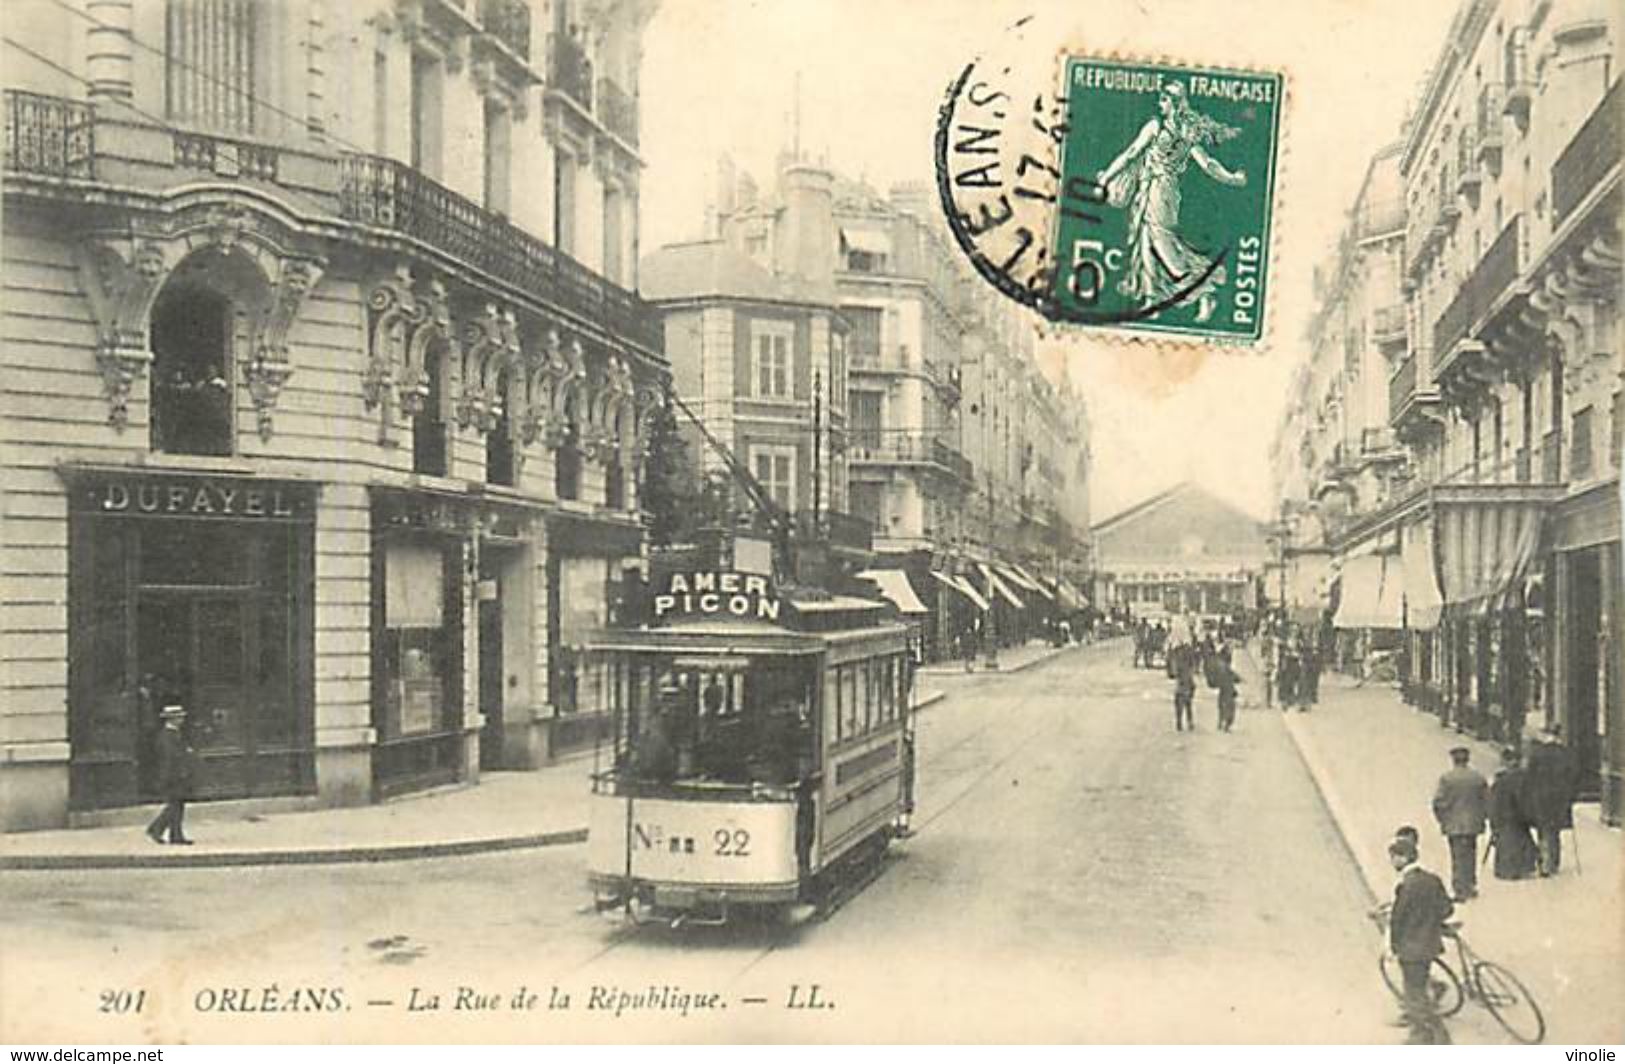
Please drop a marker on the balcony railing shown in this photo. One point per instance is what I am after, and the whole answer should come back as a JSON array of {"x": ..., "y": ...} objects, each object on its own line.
[
  {"x": 1589, "y": 157},
  {"x": 618, "y": 110},
  {"x": 1388, "y": 323},
  {"x": 569, "y": 70},
  {"x": 908, "y": 447},
  {"x": 1381, "y": 217},
  {"x": 1401, "y": 386},
  {"x": 1520, "y": 86},
  {"x": 49, "y": 135},
  {"x": 1491, "y": 109},
  {"x": 391, "y": 195},
  {"x": 509, "y": 22},
  {"x": 840, "y": 530},
  {"x": 1494, "y": 272},
  {"x": 1377, "y": 441}
]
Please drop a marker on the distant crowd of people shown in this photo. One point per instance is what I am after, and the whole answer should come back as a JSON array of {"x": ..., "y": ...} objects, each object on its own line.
[{"x": 1186, "y": 651}]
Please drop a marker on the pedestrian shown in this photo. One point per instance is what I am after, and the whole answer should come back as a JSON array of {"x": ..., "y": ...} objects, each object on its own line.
[
  {"x": 1228, "y": 679},
  {"x": 1461, "y": 806},
  {"x": 1515, "y": 854},
  {"x": 1182, "y": 664},
  {"x": 1309, "y": 673},
  {"x": 1288, "y": 676},
  {"x": 175, "y": 761},
  {"x": 1416, "y": 938},
  {"x": 1549, "y": 785}
]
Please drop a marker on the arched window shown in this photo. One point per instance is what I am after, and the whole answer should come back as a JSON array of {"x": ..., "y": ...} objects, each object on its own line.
[
  {"x": 429, "y": 423},
  {"x": 567, "y": 462},
  {"x": 499, "y": 463},
  {"x": 192, "y": 332}
]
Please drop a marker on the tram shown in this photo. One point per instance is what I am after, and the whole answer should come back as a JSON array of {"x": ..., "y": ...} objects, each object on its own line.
[{"x": 758, "y": 761}]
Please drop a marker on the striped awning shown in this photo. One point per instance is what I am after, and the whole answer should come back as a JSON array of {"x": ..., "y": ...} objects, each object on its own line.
[
  {"x": 895, "y": 588},
  {"x": 963, "y": 587},
  {"x": 999, "y": 587},
  {"x": 1372, "y": 595}
]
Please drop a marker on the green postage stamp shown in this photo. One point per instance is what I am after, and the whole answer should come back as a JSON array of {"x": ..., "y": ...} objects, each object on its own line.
[{"x": 1167, "y": 181}]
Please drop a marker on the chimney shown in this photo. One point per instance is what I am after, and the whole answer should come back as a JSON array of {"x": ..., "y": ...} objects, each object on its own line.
[{"x": 807, "y": 251}]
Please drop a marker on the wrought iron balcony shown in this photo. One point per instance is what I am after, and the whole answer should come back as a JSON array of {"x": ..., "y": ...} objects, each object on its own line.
[
  {"x": 618, "y": 111},
  {"x": 509, "y": 22},
  {"x": 1407, "y": 395},
  {"x": 569, "y": 70},
  {"x": 392, "y": 195},
  {"x": 1491, "y": 109},
  {"x": 1589, "y": 157},
  {"x": 1495, "y": 272},
  {"x": 1388, "y": 324},
  {"x": 840, "y": 530},
  {"x": 1520, "y": 85},
  {"x": 907, "y": 448},
  {"x": 48, "y": 135}
]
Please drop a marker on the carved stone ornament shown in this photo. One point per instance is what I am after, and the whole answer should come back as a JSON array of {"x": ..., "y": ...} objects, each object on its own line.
[
  {"x": 121, "y": 279},
  {"x": 269, "y": 366},
  {"x": 490, "y": 349}
]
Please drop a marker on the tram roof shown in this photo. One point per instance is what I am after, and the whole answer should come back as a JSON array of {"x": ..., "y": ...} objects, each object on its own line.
[{"x": 730, "y": 635}]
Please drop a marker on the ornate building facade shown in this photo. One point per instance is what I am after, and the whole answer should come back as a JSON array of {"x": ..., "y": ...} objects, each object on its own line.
[
  {"x": 1506, "y": 389},
  {"x": 313, "y": 424}
]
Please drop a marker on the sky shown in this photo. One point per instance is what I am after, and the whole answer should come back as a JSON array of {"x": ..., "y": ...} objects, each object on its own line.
[{"x": 720, "y": 77}]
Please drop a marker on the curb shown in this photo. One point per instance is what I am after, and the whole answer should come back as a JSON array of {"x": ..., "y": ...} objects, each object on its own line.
[
  {"x": 1333, "y": 801},
  {"x": 411, "y": 851}
]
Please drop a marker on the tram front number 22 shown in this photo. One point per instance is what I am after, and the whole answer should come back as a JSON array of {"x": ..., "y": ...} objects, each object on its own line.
[{"x": 725, "y": 842}]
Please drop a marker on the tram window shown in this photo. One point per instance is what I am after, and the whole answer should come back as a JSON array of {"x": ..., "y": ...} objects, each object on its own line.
[
  {"x": 838, "y": 701},
  {"x": 888, "y": 693},
  {"x": 852, "y": 708}
]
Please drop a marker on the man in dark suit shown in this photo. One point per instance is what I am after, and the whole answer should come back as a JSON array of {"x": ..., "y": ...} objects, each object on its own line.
[
  {"x": 1182, "y": 667},
  {"x": 1461, "y": 805},
  {"x": 1416, "y": 937},
  {"x": 1548, "y": 789},
  {"x": 174, "y": 778}
]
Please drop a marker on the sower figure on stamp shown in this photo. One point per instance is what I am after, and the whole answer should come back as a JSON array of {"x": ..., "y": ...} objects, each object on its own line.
[
  {"x": 1145, "y": 177},
  {"x": 174, "y": 778},
  {"x": 1416, "y": 937},
  {"x": 1461, "y": 806}
]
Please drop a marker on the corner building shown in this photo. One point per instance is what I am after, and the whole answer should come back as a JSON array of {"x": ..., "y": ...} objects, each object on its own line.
[{"x": 324, "y": 388}]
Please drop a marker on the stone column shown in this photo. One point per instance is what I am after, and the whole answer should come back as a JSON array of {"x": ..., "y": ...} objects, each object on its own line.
[{"x": 109, "y": 55}]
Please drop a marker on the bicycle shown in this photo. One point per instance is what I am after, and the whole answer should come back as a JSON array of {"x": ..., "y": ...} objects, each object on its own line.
[{"x": 1501, "y": 993}]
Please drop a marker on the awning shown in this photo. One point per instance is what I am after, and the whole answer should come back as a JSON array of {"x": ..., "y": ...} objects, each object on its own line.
[
  {"x": 1423, "y": 603},
  {"x": 1484, "y": 549},
  {"x": 1371, "y": 593},
  {"x": 1070, "y": 596},
  {"x": 895, "y": 588},
  {"x": 1028, "y": 580},
  {"x": 868, "y": 241},
  {"x": 963, "y": 586},
  {"x": 1000, "y": 588}
]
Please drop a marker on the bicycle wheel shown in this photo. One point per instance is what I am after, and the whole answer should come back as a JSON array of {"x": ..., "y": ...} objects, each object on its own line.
[
  {"x": 1510, "y": 1002},
  {"x": 1443, "y": 984}
]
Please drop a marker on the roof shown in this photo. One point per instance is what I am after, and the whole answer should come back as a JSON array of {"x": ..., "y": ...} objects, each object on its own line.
[{"x": 703, "y": 268}]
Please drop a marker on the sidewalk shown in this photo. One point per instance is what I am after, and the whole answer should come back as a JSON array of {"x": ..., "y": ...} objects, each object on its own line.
[
  {"x": 504, "y": 811},
  {"x": 1011, "y": 659},
  {"x": 1376, "y": 761}
]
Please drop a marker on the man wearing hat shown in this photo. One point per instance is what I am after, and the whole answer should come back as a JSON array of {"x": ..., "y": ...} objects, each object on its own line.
[
  {"x": 1416, "y": 937},
  {"x": 174, "y": 777},
  {"x": 1461, "y": 806},
  {"x": 1549, "y": 783}
]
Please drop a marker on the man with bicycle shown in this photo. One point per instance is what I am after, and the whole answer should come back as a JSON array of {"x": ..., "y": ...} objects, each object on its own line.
[{"x": 1416, "y": 936}]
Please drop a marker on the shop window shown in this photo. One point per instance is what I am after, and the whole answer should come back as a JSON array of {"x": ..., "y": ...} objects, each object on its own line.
[
  {"x": 191, "y": 375},
  {"x": 428, "y": 424},
  {"x": 419, "y": 663}
]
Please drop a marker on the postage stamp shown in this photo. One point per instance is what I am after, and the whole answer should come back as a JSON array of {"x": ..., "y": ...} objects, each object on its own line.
[
  {"x": 1132, "y": 197},
  {"x": 1167, "y": 178}
]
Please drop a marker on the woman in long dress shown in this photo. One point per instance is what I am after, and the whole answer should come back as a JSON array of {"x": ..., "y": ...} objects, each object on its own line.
[
  {"x": 1145, "y": 178},
  {"x": 1509, "y": 823}
]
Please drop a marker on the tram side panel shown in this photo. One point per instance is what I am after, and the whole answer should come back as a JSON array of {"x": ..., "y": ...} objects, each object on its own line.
[
  {"x": 863, "y": 795},
  {"x": 865, "y": 706},
  {"x": 747, "y": 847}
]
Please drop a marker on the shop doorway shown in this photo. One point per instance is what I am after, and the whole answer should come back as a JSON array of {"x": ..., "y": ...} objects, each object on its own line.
[
  {"x": 492, "y": 695},
  {"x": 1585, "y": 676},
  {"x": 194, "y": 648}
]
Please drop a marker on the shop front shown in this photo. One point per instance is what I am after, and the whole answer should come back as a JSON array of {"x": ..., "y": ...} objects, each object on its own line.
[
  {"x": 1589, "y": 604},
  {"x": 194, "y": 591}
]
